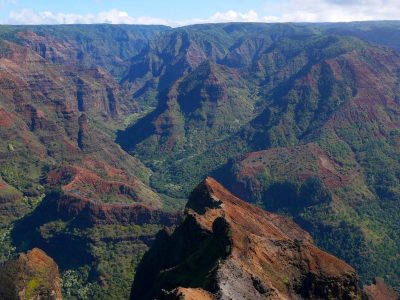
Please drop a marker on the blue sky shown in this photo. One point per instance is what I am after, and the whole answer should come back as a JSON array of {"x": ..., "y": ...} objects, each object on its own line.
[
  {"x": 180, "y": 12},
  {"x": 178, "y": 9}
]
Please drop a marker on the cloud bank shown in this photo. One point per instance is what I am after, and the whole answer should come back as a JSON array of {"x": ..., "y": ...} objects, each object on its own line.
[
  {"x": 272, "y": 11},
  {"x": 334, "y": 10},
  {"x": 113, "y": 16}
]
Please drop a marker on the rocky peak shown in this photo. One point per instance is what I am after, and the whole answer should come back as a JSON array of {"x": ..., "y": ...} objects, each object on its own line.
[
  {"x": 205, "y": 196},
  {"x": 229, "y": 249}
]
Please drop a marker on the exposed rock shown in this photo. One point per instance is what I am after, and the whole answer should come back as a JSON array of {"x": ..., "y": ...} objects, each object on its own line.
[
  {"x": 380, "y": 291},
  {"x": 230, "y": 249},
  {"x": 89, "y": 213},
  {"x": 47, "y": 112},
  {"x": 32, "y": 276},
  {"x": 113, "y": 187},
  {"x": 187, "y": 294}
]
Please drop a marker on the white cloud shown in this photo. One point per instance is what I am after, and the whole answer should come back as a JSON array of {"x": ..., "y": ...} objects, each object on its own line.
[
  {"x": 334, "y": 10},
  {"x": 273, "y": 11},
  {"x": 233, "y": 16},
  {"x": 113, "y": 16}
]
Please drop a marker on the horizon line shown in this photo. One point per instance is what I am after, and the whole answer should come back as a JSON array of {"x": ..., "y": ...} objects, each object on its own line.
[{"x": 206, "y": 23}]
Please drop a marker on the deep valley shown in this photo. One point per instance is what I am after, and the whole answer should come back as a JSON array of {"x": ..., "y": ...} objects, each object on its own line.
[{"x": 107, "y": 130}]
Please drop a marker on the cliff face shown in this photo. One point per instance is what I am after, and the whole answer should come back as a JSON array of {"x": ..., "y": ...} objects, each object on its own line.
[
  {"x": 32, "y": 276},
  {"x": 103, "y": 45},
  {"x": 227, "y": 248},
  {"x": 48, "y": 113}
]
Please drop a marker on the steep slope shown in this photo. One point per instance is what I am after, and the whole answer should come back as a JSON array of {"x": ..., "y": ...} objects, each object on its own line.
[
  {"x": 355, "y": 158},
  {"x": 253, "y": 75},
  {"x": 105, "y": 187},
  {"x": 232, "y": 249},
  {"x": 60, "y": 101},
  {"x": 384, "y": 33},
  {"x": 290, "y": 69},
  {"x": 102, "y": 45},
  {"x": 50, "y": 116},
  {"x": 209, "y": 102},
  {"x": 307, "y": 111},
  {"x": 310, "y": 114},
  {"x": 96, "y": 245},
  {"x": 33, "y": 275}
]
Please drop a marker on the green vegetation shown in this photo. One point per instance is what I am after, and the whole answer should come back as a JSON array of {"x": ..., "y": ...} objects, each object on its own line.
[
  {"x": 96, "y": 262},
  {"x": 241, "y": 100},
  {"x": 191, "y": 102},
  {"x": 291, "y": 197},
  {"x": 7, "y": 250}
]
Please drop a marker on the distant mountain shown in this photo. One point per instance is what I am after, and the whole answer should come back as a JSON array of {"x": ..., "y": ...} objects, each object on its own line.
[
  {"x": 385, "y": 33},
  {"x": 106, "y": 46}
]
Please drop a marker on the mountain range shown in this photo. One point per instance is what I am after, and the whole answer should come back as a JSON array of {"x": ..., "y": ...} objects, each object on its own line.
[{"x": 106, "y": 130}]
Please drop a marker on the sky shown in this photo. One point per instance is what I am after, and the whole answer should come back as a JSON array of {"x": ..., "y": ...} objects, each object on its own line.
[{"x": 180, "y": 12}]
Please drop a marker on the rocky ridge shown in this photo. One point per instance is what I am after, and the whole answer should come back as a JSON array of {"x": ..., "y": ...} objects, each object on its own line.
[{"x": 227, "y": 248}]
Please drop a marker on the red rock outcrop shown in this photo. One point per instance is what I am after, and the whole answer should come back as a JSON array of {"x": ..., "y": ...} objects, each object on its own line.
[
  {"x": 32, "y": 276},
  {"x": 114, "y": 187},
  {"x": 188, "y": 294},
  {"x": 86, "y": 212},
  {"x": 230, "y": 249},
  {"x": 47, "y": 112},
  {"x": 380, "y": 291}
]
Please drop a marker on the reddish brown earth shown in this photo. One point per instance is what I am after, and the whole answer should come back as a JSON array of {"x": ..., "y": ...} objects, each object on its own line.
[
  {"x": 112, "y": 172},
  {"x": 32, "y": 276},
  {"x": 6, "y": 118},
  {"x": 188, "y": 294},
  {"x": 375, "y": 99},
  {"x": 3, "y": 185},
  {"x": 48, "y": 117},
  {"x": 380, "y": 291},
  {"x": 300, "y": 163},
  {"x": 76, "y": 88},
  {"x": 254, "y": 255},
  {"x": 296, "y": 164},
  {"x": 8, "y": 194},
  {"x": 117, "y": 188},
  {"x": 89, "y": 213},
  {"x": 49, "y": 106},
  {"x": 49, "y": 48}
]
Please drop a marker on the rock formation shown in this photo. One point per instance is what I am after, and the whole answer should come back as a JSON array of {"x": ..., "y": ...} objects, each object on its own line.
[
  {"x": 32, "y": 276},
  {"x": 229, "y": 249}
]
